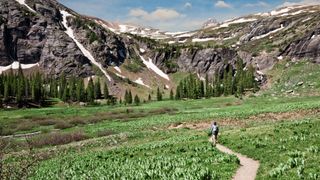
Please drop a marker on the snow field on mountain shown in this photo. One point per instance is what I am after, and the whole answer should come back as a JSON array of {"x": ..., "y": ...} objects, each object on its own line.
[{"x": 85, "y": 52}]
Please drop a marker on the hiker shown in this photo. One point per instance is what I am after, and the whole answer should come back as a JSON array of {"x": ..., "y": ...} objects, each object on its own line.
[{"x": 215, "y": 132}]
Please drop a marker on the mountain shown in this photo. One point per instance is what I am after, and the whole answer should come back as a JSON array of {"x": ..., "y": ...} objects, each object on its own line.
[{"x": 45, "y": 36}]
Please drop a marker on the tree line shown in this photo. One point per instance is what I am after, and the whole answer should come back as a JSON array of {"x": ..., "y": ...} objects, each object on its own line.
[
  {"x": 231, "y": 82},
  {"x": 20, "y": 89}
]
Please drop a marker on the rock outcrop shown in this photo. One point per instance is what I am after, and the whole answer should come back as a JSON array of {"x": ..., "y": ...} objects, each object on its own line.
[{"x": 33, "y": 33}]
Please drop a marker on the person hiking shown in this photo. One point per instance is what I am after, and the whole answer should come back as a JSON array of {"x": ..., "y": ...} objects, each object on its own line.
[{"x": 215, "y": 132}]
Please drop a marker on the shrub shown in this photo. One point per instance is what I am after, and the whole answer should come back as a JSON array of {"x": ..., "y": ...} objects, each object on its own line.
[
  {"x": 105, "y": 133},
  {"x": 26, "y": 126},
  {"x": 77, "y": 121},
  {"x": 47, "y": 122},
  {"x": 53, "y": 139},
  {"x": 63, "y": 125}
]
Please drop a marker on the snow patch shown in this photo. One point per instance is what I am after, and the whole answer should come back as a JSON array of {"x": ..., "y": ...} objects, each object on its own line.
[
  {"x": 280, "y": 57},
  {"x": 70, "y": 33},
  {"x": 15, "y": 65},
  {"x": 203, "y": 40},
  {"x": 152, "y": 66},
  {"x": 171, "y": 42},
  {"x": 307, "y": 19},
  {"x": 119, "y": 75},
  {"x": 184, "y": 41},
  {"x": 185, "y": 35},
  {"x": 142, "y": 50},
  {"x": 260, "y": 73},
  {"x": 280, "y": 11},
  {"x": 23, "y": 2},
  {"x": 140, "y": 81},
  {"x": 269, "y": 33},
  {"x": 174, "y": 33},
  {"x": 237, "y": 21},
  {"x": 293, "y": 14},
  {"x": 117, "y": 69}
]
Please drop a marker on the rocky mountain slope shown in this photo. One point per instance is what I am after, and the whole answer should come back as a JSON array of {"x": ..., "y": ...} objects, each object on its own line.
[{"x": 46, "y": 36}]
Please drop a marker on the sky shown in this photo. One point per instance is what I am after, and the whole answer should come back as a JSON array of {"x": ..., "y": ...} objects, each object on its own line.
[{"x": 175, "y": 15}]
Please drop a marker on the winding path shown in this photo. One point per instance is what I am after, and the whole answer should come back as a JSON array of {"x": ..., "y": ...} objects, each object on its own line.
[{"x": 249, "y": 167}]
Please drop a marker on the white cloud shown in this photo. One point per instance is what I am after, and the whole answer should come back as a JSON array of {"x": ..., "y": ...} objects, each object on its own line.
[
  {"x": 160, "y": 14},
  {"x": 258, "y": 4},
  {"x": 302, "y": 2},
  {"x": 222, "y": 4},
  {"x": 187, "y": 5}
]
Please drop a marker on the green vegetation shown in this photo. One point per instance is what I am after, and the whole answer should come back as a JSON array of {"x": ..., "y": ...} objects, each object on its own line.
[
  {"x": 299, "y": 78},
  {"x": 168, "y": 138},
  {"x": 288, "y": 150},
  {"x": 230, "y": 83},
  {"x": 178, "y": 157},
  {"x": 134, "y": 65},
  {"x": 19, "y": 90}
]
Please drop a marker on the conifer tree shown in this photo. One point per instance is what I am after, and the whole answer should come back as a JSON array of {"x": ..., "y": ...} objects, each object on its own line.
[
  {"x": 149, "y": 97},
  {"x": 62, "y": 84},
  {"x": 130, "y": 99},
  {"x": 208, "y": 92},
  {"x": 178, "y": 95},
  {"x": 65, "y": 96},
  {"x": 97, "y": 90},
  {"x": 126, "y": 97},
  {"x": 90, "y": 91},
  {"x": 201, "y": 89},
  {"x": 6, "y": 91},
  {"x": 106, "y": 91},
  {"x": 80, "y": 90},
  {"x": 217, "y": 91},
  {"x": 72, "y": 89},
  {"x": 159, "y": 95},
  {"x": 171, "y": 95},
  {"x": 136, "y": 100}
]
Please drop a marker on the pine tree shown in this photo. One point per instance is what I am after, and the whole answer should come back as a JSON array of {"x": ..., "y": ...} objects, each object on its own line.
[
  {"x": 126, "y": 94},
  {"x": 201, "y": 89},
  {"x": 20, "y": 86},
  {"x": 171, "y": 95},
  {"x": 106, "y": 91},
  {"x": 159, "y": 95},
  {"x": 62, "y": 84},
  {"x": 65, "y": 94},
  {"x": 136, "y": 100},
  {"x": 97, "y": 90},
  {"x": 90, "y": 91},
  {"x": 208, "y": 92},
  {"x": 130, "y": 99},
  {"x": 80, "y": 90},
  {"x": 218, "y": 89},
  {"x": 178, "y": 93},
  {"x": 6, "y": 91},
  {"x": 149, "y": 97},
  {"x": 72, "y": 89}
]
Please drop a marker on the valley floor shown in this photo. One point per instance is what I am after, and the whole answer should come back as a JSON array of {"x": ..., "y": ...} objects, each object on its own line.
[{"x": 168, "y": 139}]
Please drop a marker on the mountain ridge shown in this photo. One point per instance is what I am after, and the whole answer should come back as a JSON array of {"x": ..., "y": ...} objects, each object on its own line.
[{"x": 36, "y": 32}]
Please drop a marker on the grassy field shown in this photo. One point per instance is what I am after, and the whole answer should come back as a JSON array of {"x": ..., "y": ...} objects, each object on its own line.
[
  {"x": 286, "y": 150},
  {"x": 150, "y": 142},
  {"x": 167, "y": 140}
]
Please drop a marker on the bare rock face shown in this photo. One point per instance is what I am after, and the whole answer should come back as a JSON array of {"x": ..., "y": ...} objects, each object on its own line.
[
  {"x": 202, "y": 61},
  {"x": 306, "y": 47},
  {"x": 38, "y": 37}
]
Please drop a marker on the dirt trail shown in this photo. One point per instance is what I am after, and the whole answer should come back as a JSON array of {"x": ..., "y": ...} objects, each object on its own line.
[{"x": 249, "y": 167}]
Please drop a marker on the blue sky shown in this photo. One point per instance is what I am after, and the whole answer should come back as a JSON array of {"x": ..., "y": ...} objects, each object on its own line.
[{"x": 174, "y": 15}]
